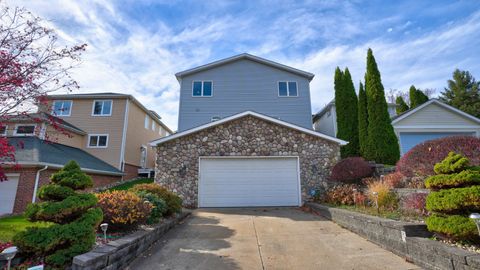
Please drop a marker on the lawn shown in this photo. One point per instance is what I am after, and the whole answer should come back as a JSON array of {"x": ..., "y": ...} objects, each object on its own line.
[
  {"x": 9, "y": 226},
  {"x": 130, "y": 184}
]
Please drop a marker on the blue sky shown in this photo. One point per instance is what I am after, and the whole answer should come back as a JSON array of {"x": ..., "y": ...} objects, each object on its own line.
[{"x": 136, "y": 46}]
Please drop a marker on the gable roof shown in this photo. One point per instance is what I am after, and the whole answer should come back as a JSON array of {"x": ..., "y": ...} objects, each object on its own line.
[
  {"x": 34, "y": 151},
  {"x": 408, "y": 113},
  {"x": 247, "y": 56},
  {"x": 320, "y": 113},
  {"x": 243, "y": 114}
]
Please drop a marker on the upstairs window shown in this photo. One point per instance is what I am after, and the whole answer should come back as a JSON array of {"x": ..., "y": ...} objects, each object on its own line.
[
  {"x": 153, "y": 125},
  {"x": 102, "y": 108},
  {"x": 25, "y": 130},
  {"x": 98, "y": 141},
  {"x": 287, "y": 89},
  {"x": 3, "y": 130},
  {"x": 62, "y": 107},
  {"x": 202, "y": 89},
  {"x": 147, "y": 121}
]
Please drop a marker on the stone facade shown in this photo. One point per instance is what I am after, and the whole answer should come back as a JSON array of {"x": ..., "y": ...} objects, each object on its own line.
[{"x": 177, "y": 160}]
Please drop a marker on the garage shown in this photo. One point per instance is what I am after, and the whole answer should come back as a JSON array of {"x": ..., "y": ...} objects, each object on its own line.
[
  {"x": 8, "y": 191},
  {"x": 249, "y": 181},
  {"x": 409, "y": 139}
]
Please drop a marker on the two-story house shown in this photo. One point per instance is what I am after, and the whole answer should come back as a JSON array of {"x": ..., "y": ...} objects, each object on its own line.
[
  {"x": 107, "y": 134},
  {"x": 245, "y": 136}
]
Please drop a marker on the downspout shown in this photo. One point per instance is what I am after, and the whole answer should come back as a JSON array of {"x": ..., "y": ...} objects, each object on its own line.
[{"x": 37, "y": 179}]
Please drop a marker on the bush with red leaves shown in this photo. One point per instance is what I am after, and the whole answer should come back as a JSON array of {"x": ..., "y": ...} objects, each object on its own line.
[
  {"x": 415, "y": 202},
  {"x": 419, "y": 161},
  {"x": 351, "y": 170}
]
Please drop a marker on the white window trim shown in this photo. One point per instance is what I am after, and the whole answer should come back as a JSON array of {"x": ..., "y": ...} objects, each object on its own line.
[
  {"x": 146, "y": 121},
  {"x": 62, "y": 115},
  {"x": 102, "y": 115},
  {"x": 202, "y": 96},
  {"x": 288, "y": 89},
  {"x": 28, "y": 134},
  {"x": 154, "y": 125},
  {"x": 5, "y": 132},
  {"x": 146, "y": 157},
  {"x": 92, "y": 135}
]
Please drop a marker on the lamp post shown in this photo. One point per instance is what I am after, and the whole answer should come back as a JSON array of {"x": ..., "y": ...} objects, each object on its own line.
[
  {"x": 375, "y": 194},
  {"x": 9, "y": 254},
  {"x": 355, "y": 197},
  {"x": 104, "y": 227},
  {"x": 476, "y": 219}
]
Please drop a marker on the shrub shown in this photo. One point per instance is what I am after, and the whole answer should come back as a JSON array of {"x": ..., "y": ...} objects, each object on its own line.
[
  {"x": 457, "y": 201},
  {"x": 464, "y": 178},
  {"x": 73, "y": 212},
  {"x": 159, "y": 209},
  {"x": 351, "y": 170},
  {"x": 341, "y": 194},
  {"x": 420, "y": 160},
  {"x": 361, "y": 199},
  {"x": 123, "y": 209},
  {"x": 386, "y": 198},
  {"x": 174, "y": 202},
  {"x": 394, "y": 180},
  {"x": 415, "y": 202}
]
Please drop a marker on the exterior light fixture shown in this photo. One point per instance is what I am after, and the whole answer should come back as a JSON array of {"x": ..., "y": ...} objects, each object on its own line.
[
  {"x": 375, "y": 194},
  {"x": 104, "y": 227},
  {"x": 476, "y": 219},
  {"x": 354, "y": 197},
  {"x": 9, "y": 254}
]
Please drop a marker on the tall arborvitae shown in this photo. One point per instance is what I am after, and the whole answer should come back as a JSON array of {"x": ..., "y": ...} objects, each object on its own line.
[
  {"x": 362, "y": 120},
  {"x": 382, "y": 143},
  {"x": 401, "y": 105},
  {"x": 421, "y": 97},
  {"x": 417, "y": 97}
]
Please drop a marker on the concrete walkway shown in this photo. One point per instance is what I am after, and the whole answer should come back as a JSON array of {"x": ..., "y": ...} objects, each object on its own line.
[{"x": 270, "y": 238}]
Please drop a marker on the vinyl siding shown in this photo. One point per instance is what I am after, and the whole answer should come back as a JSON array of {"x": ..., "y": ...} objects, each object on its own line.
[
  {"x": 241, "y": 86},
  {"x": 434, "y": 114},
  {"x": 326, "y": 123},
  {"x": 72, "y": 139}
]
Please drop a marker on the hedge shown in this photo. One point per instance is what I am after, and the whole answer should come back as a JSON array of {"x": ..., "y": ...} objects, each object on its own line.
[{"x": 464, "y": 178}]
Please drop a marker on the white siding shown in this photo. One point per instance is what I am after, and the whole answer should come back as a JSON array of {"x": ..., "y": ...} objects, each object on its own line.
[{"x": 434, "y": 114}]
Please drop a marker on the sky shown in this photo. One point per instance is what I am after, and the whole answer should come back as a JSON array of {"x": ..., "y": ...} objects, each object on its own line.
[{"x": 136, "y": 46}]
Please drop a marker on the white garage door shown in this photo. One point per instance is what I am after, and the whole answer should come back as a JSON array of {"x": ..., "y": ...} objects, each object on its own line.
[
  {"x": 8, "y": 191},
  {"x": 239, "y": 182}
]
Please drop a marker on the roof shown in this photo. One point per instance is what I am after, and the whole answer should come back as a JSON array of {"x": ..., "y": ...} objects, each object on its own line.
[
  {"x": 331, "y": 104},
  {"x": 407, "y": 113},
  {"x": 243, "y": 56},
  {"x": 151, "y": 113},
  {"x": 243, "y": 114},
  {"x": 47, "y": 118},
  {"x": 34, "y": 151}
]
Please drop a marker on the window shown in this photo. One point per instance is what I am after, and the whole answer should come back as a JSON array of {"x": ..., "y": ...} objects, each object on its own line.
[
  {"x": 102, "y": 108},
  {"x": 202, "y": 89},
  {"x": 25, "y": 130},
  {"x": 62, "y": 107},
  {"x": 287, "y": 89},
  {"x": 143, "y": 156},
  {"x": 147, "y": 121},
  {"x": 3, "y": 130},
  {"x": 98, "y": 141},
  {"x": 153, "y": 125}
]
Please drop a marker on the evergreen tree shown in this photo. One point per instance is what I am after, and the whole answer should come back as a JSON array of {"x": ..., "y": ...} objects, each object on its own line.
[
  {"x": 421, "y": 97},
  {"x": 401, "y": 105},
  {"x": 382, "y": 143},
  {"x": 362, "y": 120},
  {"x": 346, "y": 110},
  {"x": 417, "y": 97},
  {"x": 463, "y": 92}
]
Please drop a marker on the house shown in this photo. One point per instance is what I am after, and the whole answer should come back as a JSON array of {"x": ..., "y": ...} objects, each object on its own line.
[
  {"x": 245, "y": 137},
  {"x": 432, "y": 120},
  {"x": 117, "y": 128},
  {"x": 325, "y": 120}
]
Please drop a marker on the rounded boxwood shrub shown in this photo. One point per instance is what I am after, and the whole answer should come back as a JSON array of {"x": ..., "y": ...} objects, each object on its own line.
[
  {"x": 351, "y": 170},
  {"x": 421, "y": 159},
  {"x": 174, "y": 202},
  {"x": 159, "y": 209},
  {"x": 451, "y": 206},
  {"x": 75, "y": 216}
]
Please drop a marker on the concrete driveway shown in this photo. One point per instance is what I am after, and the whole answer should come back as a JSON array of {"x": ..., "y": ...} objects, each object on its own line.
[{"x": 270, "y": 238}]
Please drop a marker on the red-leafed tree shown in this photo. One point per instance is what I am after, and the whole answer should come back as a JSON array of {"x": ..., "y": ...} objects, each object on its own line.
[{"x": 32, "y": 64}]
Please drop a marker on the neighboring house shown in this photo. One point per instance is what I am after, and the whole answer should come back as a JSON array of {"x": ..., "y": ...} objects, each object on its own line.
[
  {"x": 117, "y": 128},
  {"x": 325, "y": 120},
  {"x": 432, "y": 120},
  {"x": 245, "y": 137}
]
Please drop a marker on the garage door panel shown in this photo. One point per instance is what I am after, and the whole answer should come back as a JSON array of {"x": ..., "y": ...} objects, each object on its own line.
[
  {"x": 8, "y": 192},
  {"x": 232, "y": 182},
  {"x": 410, "y": 139}
]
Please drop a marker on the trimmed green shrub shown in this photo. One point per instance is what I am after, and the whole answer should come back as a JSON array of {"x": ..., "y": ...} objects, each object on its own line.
[
  {"x": 464, "y": 178},
  {"x": 174, "y": 202},
  {"x": 453, "y": 163},
  {"x": 74, "y": 213},
  {"x": 457, "y": 201},
  {"x": 159, "y": 209}
]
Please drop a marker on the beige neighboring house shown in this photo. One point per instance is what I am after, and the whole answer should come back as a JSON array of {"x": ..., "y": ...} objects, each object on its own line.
[{"x": 117, "y": 128}]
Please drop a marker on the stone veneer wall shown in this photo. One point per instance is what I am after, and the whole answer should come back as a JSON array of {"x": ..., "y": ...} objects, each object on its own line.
[{"x": 177, "y": 160}]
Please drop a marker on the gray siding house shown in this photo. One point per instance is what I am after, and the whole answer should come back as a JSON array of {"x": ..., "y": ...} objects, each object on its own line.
[
  {"x": 244, "y": 83},
  {"x": 245, "y": 137}
]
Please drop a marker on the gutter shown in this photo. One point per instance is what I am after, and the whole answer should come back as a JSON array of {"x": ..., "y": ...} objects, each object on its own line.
[{"x": 37, "y": 179}]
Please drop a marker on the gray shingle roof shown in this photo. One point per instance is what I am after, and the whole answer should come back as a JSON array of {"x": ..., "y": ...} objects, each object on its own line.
[{"x": 34, "y": 150}]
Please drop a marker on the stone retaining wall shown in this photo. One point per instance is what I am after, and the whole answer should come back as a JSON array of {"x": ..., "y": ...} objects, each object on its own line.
[
  {"x": 119, "y": 253},
  {"x": 408, "y": 240}
]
